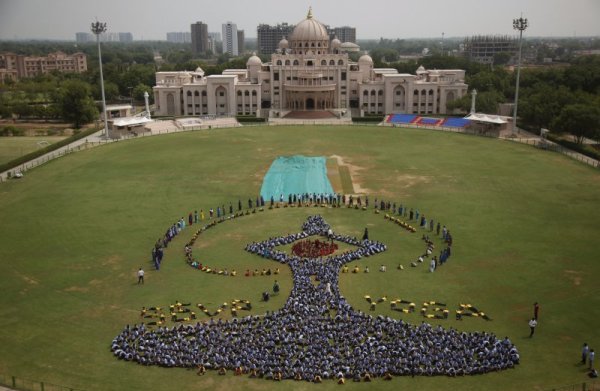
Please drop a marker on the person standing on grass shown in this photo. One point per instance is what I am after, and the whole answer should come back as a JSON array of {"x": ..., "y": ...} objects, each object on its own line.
[
  {"x": 591, "y": 358},
  {"x": 432, "y": 265},
  {"x": 140, "y": 274},
  {"x": 536, "y": 310},
  {"x": 532, "y": 326},
  {"x": 584, "y": 353}
]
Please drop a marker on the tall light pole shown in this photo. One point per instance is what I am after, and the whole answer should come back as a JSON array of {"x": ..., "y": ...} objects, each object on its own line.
[
  {"x": 442, "y": 44},
  {"x": 98, "y": 28},
  {"x": 518, "y": 24}
]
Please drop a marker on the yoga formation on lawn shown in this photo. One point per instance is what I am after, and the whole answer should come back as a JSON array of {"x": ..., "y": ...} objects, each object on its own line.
[{"x": 317, "y": 335}]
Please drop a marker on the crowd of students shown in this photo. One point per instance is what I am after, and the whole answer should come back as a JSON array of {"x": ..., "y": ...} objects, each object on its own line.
[{"x": 317, "y": 335}]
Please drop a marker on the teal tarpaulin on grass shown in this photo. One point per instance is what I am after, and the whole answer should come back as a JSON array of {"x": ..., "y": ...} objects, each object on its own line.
[{"x": 296, "y": 175}]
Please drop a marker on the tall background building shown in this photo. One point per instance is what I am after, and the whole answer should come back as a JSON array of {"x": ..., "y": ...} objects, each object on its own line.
[
  {"x": 215, "y": 36},
  {"x": 241, "y": 38},
  {"x": 104, "y": 37},
  {"x": 199, "y": 32},
  {"x": 482, "y": 48},
  {"x": 344, "y": 33},
  {"x": 125, "y": 37},
  {"x": 180, "y": 37},
  {"x": 230, "y": 42},
  {"x": 214, "y": 40},
  {"x": 269, "y": 36},
  {"x": 84, "y": 37}
]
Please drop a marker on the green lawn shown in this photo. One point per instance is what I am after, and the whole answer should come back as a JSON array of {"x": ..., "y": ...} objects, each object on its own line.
[
  {"x": 14, "y": 147},
  {"x": 74, "y": 232}
]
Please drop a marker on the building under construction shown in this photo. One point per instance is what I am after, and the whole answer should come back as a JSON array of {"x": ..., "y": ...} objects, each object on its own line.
[{"x": 482, "y": 48}]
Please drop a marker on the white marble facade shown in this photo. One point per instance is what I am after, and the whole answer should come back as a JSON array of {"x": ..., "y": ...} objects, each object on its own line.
[{"x": 308, "y": 72}]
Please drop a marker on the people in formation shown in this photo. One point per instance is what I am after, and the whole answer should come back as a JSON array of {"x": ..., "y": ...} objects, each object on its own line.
[{"x": 317, "y": 335}]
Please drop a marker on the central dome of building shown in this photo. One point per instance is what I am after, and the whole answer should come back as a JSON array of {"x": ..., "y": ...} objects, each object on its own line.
[{"x": 310, "y": 35}]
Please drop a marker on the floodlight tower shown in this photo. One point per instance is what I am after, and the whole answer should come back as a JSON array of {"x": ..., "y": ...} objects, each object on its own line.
[
  {"x": 442, "y": 44},
  {"x": 518, "y": 24},
  {"x": 98, "y": 28}
]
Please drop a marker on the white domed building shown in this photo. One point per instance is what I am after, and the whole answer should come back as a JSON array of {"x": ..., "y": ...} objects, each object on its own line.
[{"x": 309, "y": 72}]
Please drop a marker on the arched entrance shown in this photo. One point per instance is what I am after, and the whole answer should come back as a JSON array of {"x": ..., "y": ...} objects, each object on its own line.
[
  {"x": 310, "y": 104},
  {"x": 221, "y": 101},
  {"x": 170, "y": 104}
]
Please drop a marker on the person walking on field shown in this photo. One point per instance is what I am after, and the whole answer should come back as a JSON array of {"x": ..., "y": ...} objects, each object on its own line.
[
  {"x": 584, "y": 353},
  {"x": 532, "y": 326},
  {"x": 140, "y": 274},
  {"x": 591, "y": 358},
  {"x": 536, "y": 310}
]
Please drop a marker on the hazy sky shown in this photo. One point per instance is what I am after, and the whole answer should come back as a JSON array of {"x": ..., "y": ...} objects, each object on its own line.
[{"x": 61, "y": 19}]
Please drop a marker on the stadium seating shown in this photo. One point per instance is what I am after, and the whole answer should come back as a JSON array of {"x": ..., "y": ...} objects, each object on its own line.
[
  {"x": 401, "y": 118},
  {"x": 454, "y": 122},
  {"x": 450, "y": 122},
  {"x": 429, "y": 121}
]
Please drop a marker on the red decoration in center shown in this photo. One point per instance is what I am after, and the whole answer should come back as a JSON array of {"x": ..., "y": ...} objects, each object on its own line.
[{"x": 313, "y": 249}]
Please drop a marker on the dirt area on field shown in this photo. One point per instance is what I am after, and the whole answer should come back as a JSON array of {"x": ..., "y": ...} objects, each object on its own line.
[
  {"x": 354, "y": 174},
  {"x": 76, "y": 289},
  {"x": 575, "y": 276},
  {"x": 411, "y": 180},
  {"x": 27, "y": 279}
]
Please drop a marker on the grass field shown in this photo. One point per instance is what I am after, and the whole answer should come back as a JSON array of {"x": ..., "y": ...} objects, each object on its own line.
[
  {"x": 14, "y": 147},
  {"x": 74, "y": 232}
]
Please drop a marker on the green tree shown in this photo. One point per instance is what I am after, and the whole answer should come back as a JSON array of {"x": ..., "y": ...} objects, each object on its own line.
[
  {"x": 138, "y": 92},
  {"x": 487, "y": 102},
  {"x": 381, "y": 55},
  {"x": 502, "y": 58},
  {"x": 541, "y": 104},
  {"x": 580, "y": 120},
  {"x": 111, "y": 91},
  {"x": 75, "y": 103},
  {"x": 135, "y": 75}
]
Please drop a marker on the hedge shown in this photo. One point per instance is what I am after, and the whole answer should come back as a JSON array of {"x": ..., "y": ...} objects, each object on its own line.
[
  {"x": 581, "y": 148},
  {"x": 249, "y": 119},
  {"x": 52, "y": 147},
  {"x": 368, "y": 118}
]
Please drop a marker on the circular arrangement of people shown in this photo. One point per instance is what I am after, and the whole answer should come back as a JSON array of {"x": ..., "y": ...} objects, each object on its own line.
[{"x": 317, "y": 335}]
